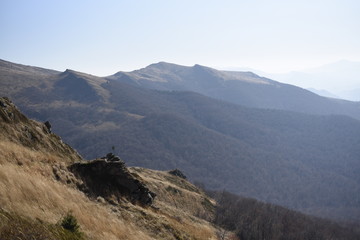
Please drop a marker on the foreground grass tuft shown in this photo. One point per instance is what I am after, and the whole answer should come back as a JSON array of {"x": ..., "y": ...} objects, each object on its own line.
[{"x": 13, "y": 226}]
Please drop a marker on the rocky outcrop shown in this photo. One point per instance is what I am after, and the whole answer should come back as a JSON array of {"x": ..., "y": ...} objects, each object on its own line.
[
  {"x": 17, "y": 128},
  {"x": 178, "y": 173},
  {"x": 62, "y": 174},
  {"x": 110, "y": 179},
  {"x": 107, "y": 178},
  {"x": 111, "y": 158},
  {"x": 9, "y": 112}
]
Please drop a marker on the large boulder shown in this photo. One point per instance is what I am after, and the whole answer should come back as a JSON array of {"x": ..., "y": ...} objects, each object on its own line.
[
  {"x": 178, "y": 173},
  {"x": 112, "y": 181}
]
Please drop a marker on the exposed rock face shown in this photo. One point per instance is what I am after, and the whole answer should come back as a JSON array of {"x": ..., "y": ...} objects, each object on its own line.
[
  {"x": 112, "y": 181},
  {"x": 111, "y": 158},
  {"x": 48, "y": 126},
  {"x": 62, "y": 174},
  {"x": 9, "y": 112},
  {"x": 178, "y": 173}
]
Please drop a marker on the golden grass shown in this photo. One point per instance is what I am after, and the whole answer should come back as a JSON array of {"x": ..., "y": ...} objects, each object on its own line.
[
  {"x": 176, "y": 194},
  {"x": 180, "y": 202},
  {"x": 31, "y": 160},
  {"x": 35, "y": 196},
  {"x": 32, "y": 135},
  {"x": 28, "y": 188}
]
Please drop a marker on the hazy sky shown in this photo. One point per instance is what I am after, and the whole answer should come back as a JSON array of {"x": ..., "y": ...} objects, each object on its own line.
[{"x": 103, "y": 37}]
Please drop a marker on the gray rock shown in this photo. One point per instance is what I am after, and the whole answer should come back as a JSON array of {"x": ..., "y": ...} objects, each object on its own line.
[
  {"x": 178, "y": 173},
  {"x": 112, "y": 180},
  {"x": 3, "y": 104},
  {"x": 48, "y": 126}
]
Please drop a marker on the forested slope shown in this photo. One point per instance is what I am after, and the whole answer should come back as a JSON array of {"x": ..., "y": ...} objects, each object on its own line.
[{"x": 307, "y": 162}]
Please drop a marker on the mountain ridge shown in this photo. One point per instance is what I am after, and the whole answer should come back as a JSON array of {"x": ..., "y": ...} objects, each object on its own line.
[{"x": 244, "y": 88}]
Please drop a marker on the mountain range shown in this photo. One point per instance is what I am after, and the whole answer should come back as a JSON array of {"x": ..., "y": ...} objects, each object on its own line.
[
  {"x": 243, "y": 88},
  {"x": 323, "y": 93},
  {"x": 229, "y": 130}
]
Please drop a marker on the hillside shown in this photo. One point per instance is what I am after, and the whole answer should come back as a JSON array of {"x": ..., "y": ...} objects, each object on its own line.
[
  {"x": 306, "y": 162},
  {"x": 37, "y": 190},
  {"x": 41, "y": 184},
  {"x": 251, "y": 219},
  {"x": 244, "y": 88}
]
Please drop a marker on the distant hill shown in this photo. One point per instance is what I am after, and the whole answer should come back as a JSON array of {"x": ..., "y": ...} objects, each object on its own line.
[
  {"x": 353, "y": 94},
  {"x": 323, "y": 93},
  {"x": 306, "y": 162},
  {"x": 244, "y": 88},
  {"x": 340, "y": 78}
]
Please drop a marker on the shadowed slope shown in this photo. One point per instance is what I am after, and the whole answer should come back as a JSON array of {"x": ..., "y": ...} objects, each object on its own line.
[{"x": 244, "y": 88}]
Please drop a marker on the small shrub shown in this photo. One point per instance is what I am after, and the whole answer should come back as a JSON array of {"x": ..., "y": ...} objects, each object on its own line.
[
  {"x": 70, "y": 223},
  {"x": 208, "y": 205},
  {"x": 13, "y": 226}
]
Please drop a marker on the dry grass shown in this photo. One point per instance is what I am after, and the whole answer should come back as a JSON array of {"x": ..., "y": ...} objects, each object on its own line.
[
  {"x": 37, "y": 197},
  {"x": 31, "y": 135},
  {"x": 28, "y": 188},
  {"x": 29, "y": 159},
  {"x": 176, "y": 194},
  {"x": 180, "y": 202}
]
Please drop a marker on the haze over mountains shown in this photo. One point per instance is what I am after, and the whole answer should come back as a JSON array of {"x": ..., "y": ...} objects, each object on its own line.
[
  {"x": 244, "y": 88},
  {"x": 341, "y": 79},
  {"x": 248, "y": 134}
]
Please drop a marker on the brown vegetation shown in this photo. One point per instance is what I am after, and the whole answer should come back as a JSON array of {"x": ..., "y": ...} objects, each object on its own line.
[
  {"x": 251, "y": 219},
  {"x": 34, "y": 198},
  {"x": 33, "y": 201}
]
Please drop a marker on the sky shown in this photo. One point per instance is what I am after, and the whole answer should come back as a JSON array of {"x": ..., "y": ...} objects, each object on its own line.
[{"x": 103, "y": 37}]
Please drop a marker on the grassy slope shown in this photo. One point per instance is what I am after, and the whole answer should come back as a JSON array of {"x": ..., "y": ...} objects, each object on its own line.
[
  {"x": 30, "y": 195},
  {"x": 13, "y": 226}
]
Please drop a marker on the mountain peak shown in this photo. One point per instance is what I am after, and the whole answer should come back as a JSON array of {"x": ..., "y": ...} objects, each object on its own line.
[
  {"x": 198, "y": 67},
  {"x": 165, "y": 66},
  {"x": 70, "y": 72}
]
